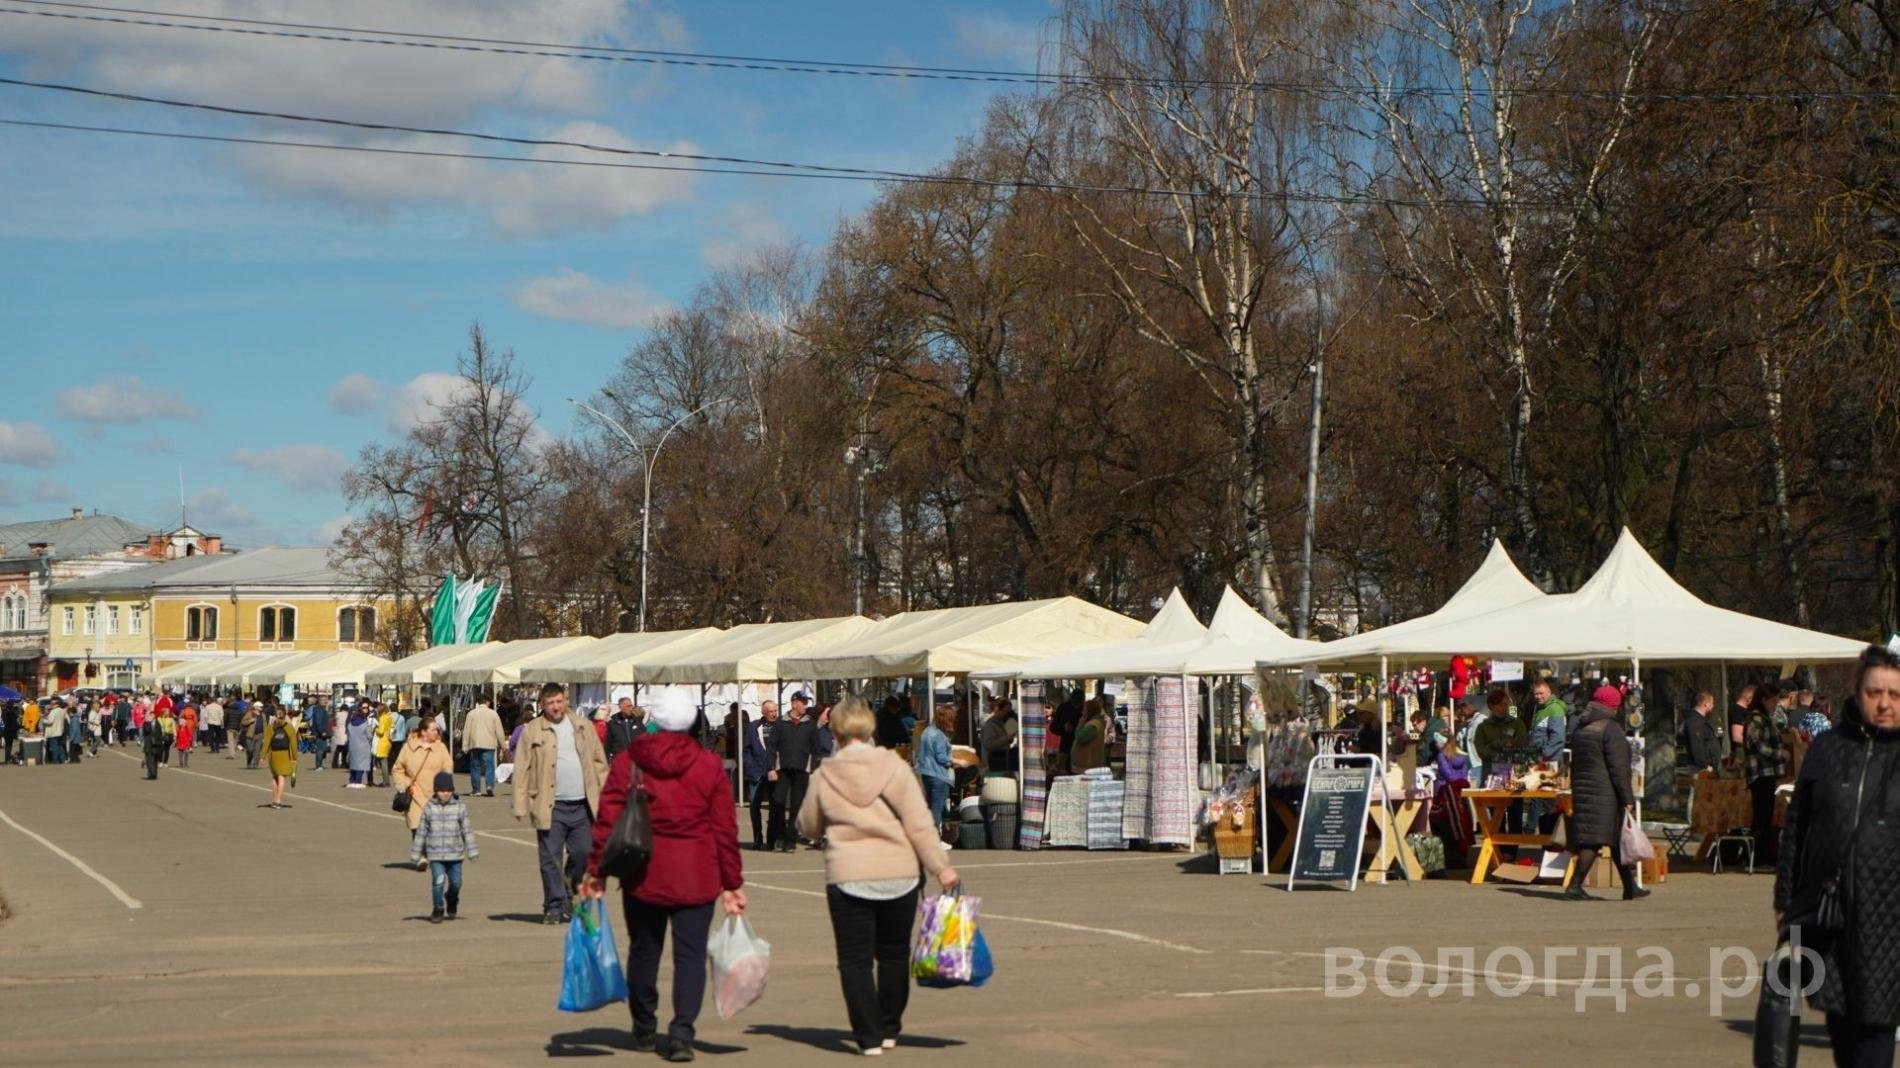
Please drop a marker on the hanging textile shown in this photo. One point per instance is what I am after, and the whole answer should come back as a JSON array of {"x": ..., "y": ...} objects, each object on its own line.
[
  {"x": 1067, "y": 823},
  {"x": 1171, "y": 794},
  {"x": 1034, "y": 723},
  {"x": 1106, "y": 796},
  {"x": 1137, "y": 776}
]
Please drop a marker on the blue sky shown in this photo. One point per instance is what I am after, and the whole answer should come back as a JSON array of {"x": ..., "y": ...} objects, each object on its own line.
[{"x": 255, "y": 315}]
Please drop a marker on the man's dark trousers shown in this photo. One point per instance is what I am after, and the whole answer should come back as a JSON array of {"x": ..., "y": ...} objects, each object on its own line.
[{"x": 570, "y": 832}]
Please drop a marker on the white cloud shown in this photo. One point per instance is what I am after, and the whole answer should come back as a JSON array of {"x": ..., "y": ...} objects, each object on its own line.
[
  {"x": 407, "y": 86},
  {"x": 126, "y": 399},
  {"x": 304, "y": 467},
  {"x": 211, "y": 509},
  {"x": 997, "y": 38},
  {"x": 417, "y": 399},
  {"x": 580, "y": 298},
  {"x": 332, "y": 529},
  {"x": 27, "y": 444},
  {"x": 357, "y": 392},
  {"x": 747, "y": 228}
]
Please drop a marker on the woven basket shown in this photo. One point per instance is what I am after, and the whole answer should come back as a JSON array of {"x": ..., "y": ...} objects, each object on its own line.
[{"x": 1234, "y": 842}]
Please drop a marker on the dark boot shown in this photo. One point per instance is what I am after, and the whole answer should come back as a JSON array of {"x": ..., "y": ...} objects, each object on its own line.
[
  {"x": 453, "y": 896},
  {"x": 435, "y": 916},
  {"x": 1586, "y": 859},
  {"x": 1630, "y": 890}
]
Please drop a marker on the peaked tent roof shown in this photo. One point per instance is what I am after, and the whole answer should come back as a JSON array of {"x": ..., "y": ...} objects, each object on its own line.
[
  {"x": 954, "y": 641},
  {"x": 501, "y": 663},
  {"x": 420, "y": 668},
  {"x": 238, "y": 672},
  {"x": 1630, "y": 609},
  {"x": 1174, "y": 624},
  {"x": 609, "y": 660},
  {"x": 747, "y": 653},
  {"x": 1237, "y": 638},
  {"x": 1496, "y": 584},
  {"x": 339, "y": 668}
]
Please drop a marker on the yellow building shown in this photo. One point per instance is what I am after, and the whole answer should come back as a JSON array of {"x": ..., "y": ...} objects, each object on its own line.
[{"x": 109, "y": 629}]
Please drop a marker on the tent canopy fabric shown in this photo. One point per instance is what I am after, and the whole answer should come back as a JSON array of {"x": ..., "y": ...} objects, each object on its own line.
[
  {"x": 1173, "y": 625},
  {"x": 1230, "y": 645},
  {"x": 420, "y": 668},
  {"x": 610, "y": 660},
  {"x": 501, "y": 663},
  {"x": 343, "y": 667},
  {"x": 1631, "y": 609},
  {"x": 238, "y": 672},
  {"x": 747, "y": 653},
  {"x": 178, "y": 672},
  {"x": 955, "y": 641},
  {"x": 1496, "y": 584},
  {"x": 273, "y": 673}
]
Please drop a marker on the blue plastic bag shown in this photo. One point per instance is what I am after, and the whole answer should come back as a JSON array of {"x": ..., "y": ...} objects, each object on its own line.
[{"x": 590, "y": 970}]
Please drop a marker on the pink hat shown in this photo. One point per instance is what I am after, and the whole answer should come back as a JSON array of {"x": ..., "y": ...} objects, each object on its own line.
[{"x": 1608, "y": 697}]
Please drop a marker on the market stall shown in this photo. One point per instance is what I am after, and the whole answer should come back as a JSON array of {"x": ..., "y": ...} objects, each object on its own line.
[
  {"x": 420, "y": 669},
  {"x": 344, "y": 667},
  {"x": 501, "y": 663},
  {"x": 608, "y": 661}
]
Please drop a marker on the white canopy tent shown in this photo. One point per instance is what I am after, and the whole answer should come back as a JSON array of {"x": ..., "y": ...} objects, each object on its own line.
[
  {"x": 344, "y": 667},
  {"x": 610, "y": 660},
  {"x": 178, "y": 672},
  {"x": 748, "y": 653},
  {"x": 956, "y": 641},
  {"x": 238, "y": 672},
  {"x": 1173, "y": 626},
  {"x": 501, "y": 663},
  {"x": 420, "y": 668}
]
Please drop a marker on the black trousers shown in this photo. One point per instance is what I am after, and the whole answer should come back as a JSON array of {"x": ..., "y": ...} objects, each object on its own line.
[
  {"x": 788, "y": 793},
  {"x": 151, "y": 762},
  {"x": 756, "y": 790},
  {"x": 1859, "y": 1045},
  {"x": 564, "y": 847},
  {"x": 1761, "y": 794},
  {"x": 646, "y": 937},
  {"x": 873, "y": 933}
]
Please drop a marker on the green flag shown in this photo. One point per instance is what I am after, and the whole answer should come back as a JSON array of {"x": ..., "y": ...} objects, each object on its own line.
[
  {"x": 481, "y": 614},
  {"x": 442, "y": 615}
]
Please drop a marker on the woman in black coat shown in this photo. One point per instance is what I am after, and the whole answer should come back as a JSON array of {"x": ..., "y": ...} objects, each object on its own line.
[
  {"x": 1600, "y": 792},
  {"x": 1844, "y": 823}
]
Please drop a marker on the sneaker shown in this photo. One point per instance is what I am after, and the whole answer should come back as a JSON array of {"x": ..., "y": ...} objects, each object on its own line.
[
  {"x": 645, "y": 1042},
  {"x": 871, "y": 1051},
  {"x": 437, "y": 915},
  {"x": 890, "y": 1043},
  {"x": 679, "y": 1052},
  {"x": 552, "y": 918}
]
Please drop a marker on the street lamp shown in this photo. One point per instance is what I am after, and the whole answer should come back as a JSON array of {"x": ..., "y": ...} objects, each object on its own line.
[{"x": 647, "y": 460}]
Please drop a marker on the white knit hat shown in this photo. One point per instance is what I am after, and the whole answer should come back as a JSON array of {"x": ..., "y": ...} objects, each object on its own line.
[{"x": 673, "y": 710}]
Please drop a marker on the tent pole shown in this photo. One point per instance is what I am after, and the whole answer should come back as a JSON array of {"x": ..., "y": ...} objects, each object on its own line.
[
  {"x": 1727, "y": 745},
  {"x": 1022, "y": 767},
  {"x": 1385, "y": 692}
]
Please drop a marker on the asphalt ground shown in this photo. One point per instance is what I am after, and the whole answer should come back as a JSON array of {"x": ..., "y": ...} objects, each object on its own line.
[{"x": 178, "y": 922}]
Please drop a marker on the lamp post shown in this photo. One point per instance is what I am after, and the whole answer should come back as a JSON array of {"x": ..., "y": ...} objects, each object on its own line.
[{"x": 647, "y": 459}]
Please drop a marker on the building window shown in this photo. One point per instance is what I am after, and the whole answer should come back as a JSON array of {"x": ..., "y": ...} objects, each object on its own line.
[
  {"x": 12, "y": 613},
  {"x": 112, "y": 619},
  {"x": 357, "y": 624},
  {"x": 138, "y": 619},
  {"x": 66, "y": 620},
  {"x": 92, "y": 618},
  {"x": 277, "y": 623},
  {"x": 201, "y": 623}
]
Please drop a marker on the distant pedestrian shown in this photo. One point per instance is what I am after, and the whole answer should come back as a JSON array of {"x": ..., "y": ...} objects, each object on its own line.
[
  {"x": 1602, "y": 797},
  {"x": 187, "y": 736},
  {"x": 167, "y": 730},
  {"x": 444, "y": 839},
  {"x": 52, "y": 724},
  {"x": 758, "y": 740},
  {"x": 933, "y": 762},
  {"x": 789, "y": 758},
  {"x": 559, "y": 769},
  {"x": 1765, "y": 759},
  {"x": 866, "y": 806},
  {"x": 317, "y": 721},
  {"x": 340, "y": 735},
  {"x": 362, "y": 748},
  {"x": 250, "y": 736},
  {"x": 382, "y": 745},
  {"x": 280, "y": 742},
  {"x": 152, "y": 742},
  {"x": 212, "y": 719},
  {"x": 482, "y": 737}
]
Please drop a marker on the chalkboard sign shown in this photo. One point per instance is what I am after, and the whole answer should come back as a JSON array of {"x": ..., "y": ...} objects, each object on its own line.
[{"x": 1332, "y": 829}]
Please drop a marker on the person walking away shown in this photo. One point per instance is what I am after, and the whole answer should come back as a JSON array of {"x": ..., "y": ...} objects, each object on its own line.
[
  {"x": 1091, "y": 738},
  {"x": 187, "y": 737},
  {"x": 758, "y": 738},
  {"x": 361, "y": 747},
  {"x": 788, "y": 763},
  {"x": 1699, "y": 737},
  {"x": 444, "y": 839},
  {"x": 400, "y": 727},
  {"x": 559, "y": 768},
  {"x": 423, "y": 757},
  {"x": 482, "y": 736},
  {"x": 867, "y": 808},
  {"x": 211, "y": 719},
  {"x": 933, "y": 763},
  {"x": 1764, "y": 762},
  {"x": 1600, "y": 792},
  {"x": 280, "y": 744},
  {"x": 317, "y": 721},
  {"x": 122, "y": 723},
  {"x": 1839, "y": 833},
  {"x": 53, "y": 725},
  {"x": 695, "y": 864}
]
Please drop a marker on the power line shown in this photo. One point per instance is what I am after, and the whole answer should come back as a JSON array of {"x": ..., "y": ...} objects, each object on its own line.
[
  {"x": 835, "y": 174},
  {"x": 98, "y": 13}
]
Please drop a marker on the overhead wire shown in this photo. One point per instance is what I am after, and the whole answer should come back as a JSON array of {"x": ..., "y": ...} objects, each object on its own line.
[{"x": 259, "y": 27}]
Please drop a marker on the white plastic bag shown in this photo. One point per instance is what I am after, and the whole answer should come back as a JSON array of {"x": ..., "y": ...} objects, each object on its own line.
[
  {"x": 740, "y": 960},
  {"x": 1636, "y": 844}
]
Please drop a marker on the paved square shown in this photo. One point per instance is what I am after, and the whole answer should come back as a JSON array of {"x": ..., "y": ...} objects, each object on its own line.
[{"x": 297, "y": 937}]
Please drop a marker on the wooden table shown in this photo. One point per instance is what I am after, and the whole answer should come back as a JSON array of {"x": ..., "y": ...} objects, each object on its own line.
[
  {"x": 1282, "y": 813},
  {"x": 1391, "y": 827},
  {"x": 1718, "y": 806},
  {"x": 1491, "y": 807}
]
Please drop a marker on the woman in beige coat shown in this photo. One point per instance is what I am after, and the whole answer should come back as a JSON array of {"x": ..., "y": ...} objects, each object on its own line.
[
  {"x": 866, "y": 805},
  {"x": 421, "y": 758}
]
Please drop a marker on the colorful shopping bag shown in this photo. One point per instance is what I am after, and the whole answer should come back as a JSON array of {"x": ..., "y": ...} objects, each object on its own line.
[{"x": 949, "y": 949}]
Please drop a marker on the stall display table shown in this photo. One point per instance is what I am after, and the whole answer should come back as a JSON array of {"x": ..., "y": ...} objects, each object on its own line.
[
  {"x": 1391, "y": 827},
  {"x": 1491, "y": 807}
]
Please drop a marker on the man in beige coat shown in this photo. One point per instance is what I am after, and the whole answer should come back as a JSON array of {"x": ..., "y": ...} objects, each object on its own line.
[
  {"x": 559, "y": 769},
  {"x": 482, "y": 738}
]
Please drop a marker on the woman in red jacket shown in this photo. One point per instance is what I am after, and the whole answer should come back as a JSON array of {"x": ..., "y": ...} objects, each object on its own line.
[{"x": 695, "y": 863}]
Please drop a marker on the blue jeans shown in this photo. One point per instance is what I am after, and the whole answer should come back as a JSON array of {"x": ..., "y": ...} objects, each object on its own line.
[
  {"x": 481, "y": 770},
  {"x": 445, "y": 876},
  {"x": 937, "y": 796},
  {"x": 56, "y": 750},
  {"x": 319, "y": 748}
]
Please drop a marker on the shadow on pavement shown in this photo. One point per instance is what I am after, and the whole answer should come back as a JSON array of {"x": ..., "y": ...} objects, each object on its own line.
[
  {"x": 605, "y": 1041},
  {"x": 1554, "y": 893},
  {"x": 838, "y": 1040},
  {"x": 1813, "y": 1031},
  {"x": 401, "y": 865},
  {"x": 516, "y": 917}
]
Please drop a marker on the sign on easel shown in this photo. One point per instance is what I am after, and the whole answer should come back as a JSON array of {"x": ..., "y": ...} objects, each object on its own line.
[{"x": 1332, "y": 830}]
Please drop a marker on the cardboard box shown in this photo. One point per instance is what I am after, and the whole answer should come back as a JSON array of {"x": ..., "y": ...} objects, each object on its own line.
[
  {"x": 1516, "y": 873},
  {"x": 1604, "y": 876}
]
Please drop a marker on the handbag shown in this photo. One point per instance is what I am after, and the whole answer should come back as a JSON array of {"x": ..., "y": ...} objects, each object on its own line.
[
  {"x": 1778, "y": 1011},
  {"x": 630, "y": 844},
  {"x": 400, "y": 803}
]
